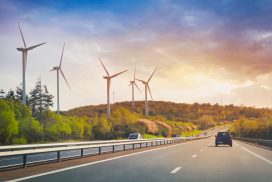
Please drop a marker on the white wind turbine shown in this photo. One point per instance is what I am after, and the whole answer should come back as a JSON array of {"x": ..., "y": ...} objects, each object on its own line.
[
  {"x": 133, "y": 83},
  {"x": 147, "y": 88},
  {"x": 24, "y": 51},
  {"x": 108, "y": 78},
  {"x": 58, "y": 69}
]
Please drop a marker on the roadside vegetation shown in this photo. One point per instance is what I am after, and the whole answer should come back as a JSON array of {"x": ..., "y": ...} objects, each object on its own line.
[
  {"x": 253, "y": 128},
  {"x": 36, "y": 123}
]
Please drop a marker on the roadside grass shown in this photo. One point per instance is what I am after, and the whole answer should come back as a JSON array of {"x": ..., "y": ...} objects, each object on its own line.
[
  {"x": 191, "y": 133},
  {"x": 148, "y": 136}
]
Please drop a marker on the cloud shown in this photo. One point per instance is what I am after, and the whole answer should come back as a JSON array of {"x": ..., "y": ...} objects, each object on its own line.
[{"x": 203, "y": 50}]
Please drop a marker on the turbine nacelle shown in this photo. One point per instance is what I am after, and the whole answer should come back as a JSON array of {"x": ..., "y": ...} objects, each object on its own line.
[
  {"x": 106, "y": 77},
  {"x": 21, "y": 49}
]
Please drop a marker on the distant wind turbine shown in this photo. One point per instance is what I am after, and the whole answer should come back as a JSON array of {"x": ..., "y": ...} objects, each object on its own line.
[
  {"x": 147, "y": 88},
  {"x": 24, "y": 51},
  {"x": 58, "y": 69},
  {"x": 108, "y": 78},
  {"x": 133, "y": 83}
]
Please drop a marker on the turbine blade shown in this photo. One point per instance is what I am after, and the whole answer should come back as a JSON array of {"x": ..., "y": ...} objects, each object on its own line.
[
  {"x": 137, "y": 87},
  {"x": 149, "y": 91},
  {"x": 22, "y": 34},
  {"x": 118, "y": 74},
  {"x": 130, "y": 84},
  {"x": 32, "y": 47},
  {"x": 141, "y": 81},
  {"x": 52, "y": 69},
  {"x": 104, "y": 67},
  {"x": 61, "y": 55},
  {"x": 134, "y": 73},
  {"x": 65, "y": 78},
  {"x": 152, "y": 75}
]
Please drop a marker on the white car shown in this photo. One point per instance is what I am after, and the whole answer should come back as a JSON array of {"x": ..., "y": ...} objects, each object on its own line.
[{"x": 135, "y": 136}]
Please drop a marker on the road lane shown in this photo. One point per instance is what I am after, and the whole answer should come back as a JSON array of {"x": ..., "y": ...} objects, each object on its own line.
[{"x": 212, "y": 163}]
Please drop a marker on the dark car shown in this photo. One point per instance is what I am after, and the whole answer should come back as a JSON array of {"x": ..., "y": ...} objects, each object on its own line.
[{"x": 223, "y": 138}]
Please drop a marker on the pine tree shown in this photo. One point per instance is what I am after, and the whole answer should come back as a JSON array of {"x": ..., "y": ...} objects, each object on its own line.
[
  {"x": 47, "y": 98},
  {"x": 19, "y": 92},
  {"x": 40, "y": 99},
  {"x": 2, "y": 94},
  {"x": 10, "y": 95}
]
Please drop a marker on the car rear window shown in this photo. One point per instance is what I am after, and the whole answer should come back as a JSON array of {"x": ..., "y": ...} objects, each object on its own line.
[{"x": 223, "y": 134}]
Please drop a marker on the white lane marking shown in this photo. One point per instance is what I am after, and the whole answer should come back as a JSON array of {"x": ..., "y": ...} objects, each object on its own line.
[
  {"x": 96, "y": 162},
  {"x": 201, "y": 150},
  {"x": 257, "y": 155},
  {"x": 235, "y": 143},
  {"x": 194, "y": 156},
  {"x": 175, "y": 170}
]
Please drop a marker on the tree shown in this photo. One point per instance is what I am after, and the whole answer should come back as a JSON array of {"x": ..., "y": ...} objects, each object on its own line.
[
  {"x": 103, "y": 129},
  {"x": 40, "y": 99},
  {"x": 10, "y": 95},
  {"x": 8, "y": 124},
  {"x": 19, "y": 92},
  {"x": 2, "y": 94}
]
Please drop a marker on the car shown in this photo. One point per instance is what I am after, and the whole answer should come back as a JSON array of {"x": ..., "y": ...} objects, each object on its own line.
[
  {"x": 135, "y": 136},
  {"x": 223, "y": 138}
]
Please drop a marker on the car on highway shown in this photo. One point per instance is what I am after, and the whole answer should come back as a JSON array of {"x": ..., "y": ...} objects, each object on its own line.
[
  {"x": 135, "y": 136},
  {"x": 223, "y": 138}
]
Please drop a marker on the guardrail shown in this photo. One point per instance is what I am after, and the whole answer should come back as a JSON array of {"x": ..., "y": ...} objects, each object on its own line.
[
  {"x": 61, "y": 152},
  {"x": 67, "y": 144},
  {"x": 266, "y": 143}
]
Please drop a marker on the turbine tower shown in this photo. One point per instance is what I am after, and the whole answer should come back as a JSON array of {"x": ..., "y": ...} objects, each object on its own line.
[
  {"x": 58, "y": 69},
  {"x": 24, "y": 51},
  {"x": 108, "y": 78},
  {"x": 133, "y": 83},
  {"x": 147, "y": 88}
]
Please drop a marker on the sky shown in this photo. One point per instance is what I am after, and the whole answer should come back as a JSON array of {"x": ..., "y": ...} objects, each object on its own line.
[{"x": 206, "y": 51}]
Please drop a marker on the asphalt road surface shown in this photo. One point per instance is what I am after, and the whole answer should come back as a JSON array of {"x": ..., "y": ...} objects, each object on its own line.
[{"x": 192, "y": 161}]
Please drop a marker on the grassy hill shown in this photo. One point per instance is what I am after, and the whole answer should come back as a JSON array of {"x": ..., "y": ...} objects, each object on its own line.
[{"x": 248, "y": 121}]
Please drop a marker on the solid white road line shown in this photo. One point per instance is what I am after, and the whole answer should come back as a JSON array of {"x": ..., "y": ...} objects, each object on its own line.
[
  {"x": 175, "y": 170},
  {"x": 194, "y": 156},
  {"x": 257, "y": 155},
  {"x": 92, "y": 163}
]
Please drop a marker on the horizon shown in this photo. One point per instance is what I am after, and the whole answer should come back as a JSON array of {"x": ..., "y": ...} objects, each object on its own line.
[
  {"x": 173, "y": 102},
  {"x": 206, "y": 52}
]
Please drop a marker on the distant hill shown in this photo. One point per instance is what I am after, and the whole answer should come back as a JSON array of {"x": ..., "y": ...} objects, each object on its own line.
[{"x": 179, "y": 111}]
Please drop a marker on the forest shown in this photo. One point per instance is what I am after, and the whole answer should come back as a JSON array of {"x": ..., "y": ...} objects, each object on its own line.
[{"x": 36, "y": 123}]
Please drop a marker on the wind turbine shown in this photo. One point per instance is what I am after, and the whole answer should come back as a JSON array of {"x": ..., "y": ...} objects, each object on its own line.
[
  {"x": 24, "y": 51},
  {"x": 108, "y": 78},
  {"x": 58, "y": 69},
  {"x": 133, "y": 83},
  {"x": 147, "y": 88}
]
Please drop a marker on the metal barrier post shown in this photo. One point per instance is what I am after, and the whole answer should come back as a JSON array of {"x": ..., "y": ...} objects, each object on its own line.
[
  {"x": 58, "y": 153},
  {"x": 24, "y": 160},
  {"x": 81, "y": 153}
]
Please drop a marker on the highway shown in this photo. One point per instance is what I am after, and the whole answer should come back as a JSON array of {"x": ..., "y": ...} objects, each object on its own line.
[{"x": 192, "y": 161}]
